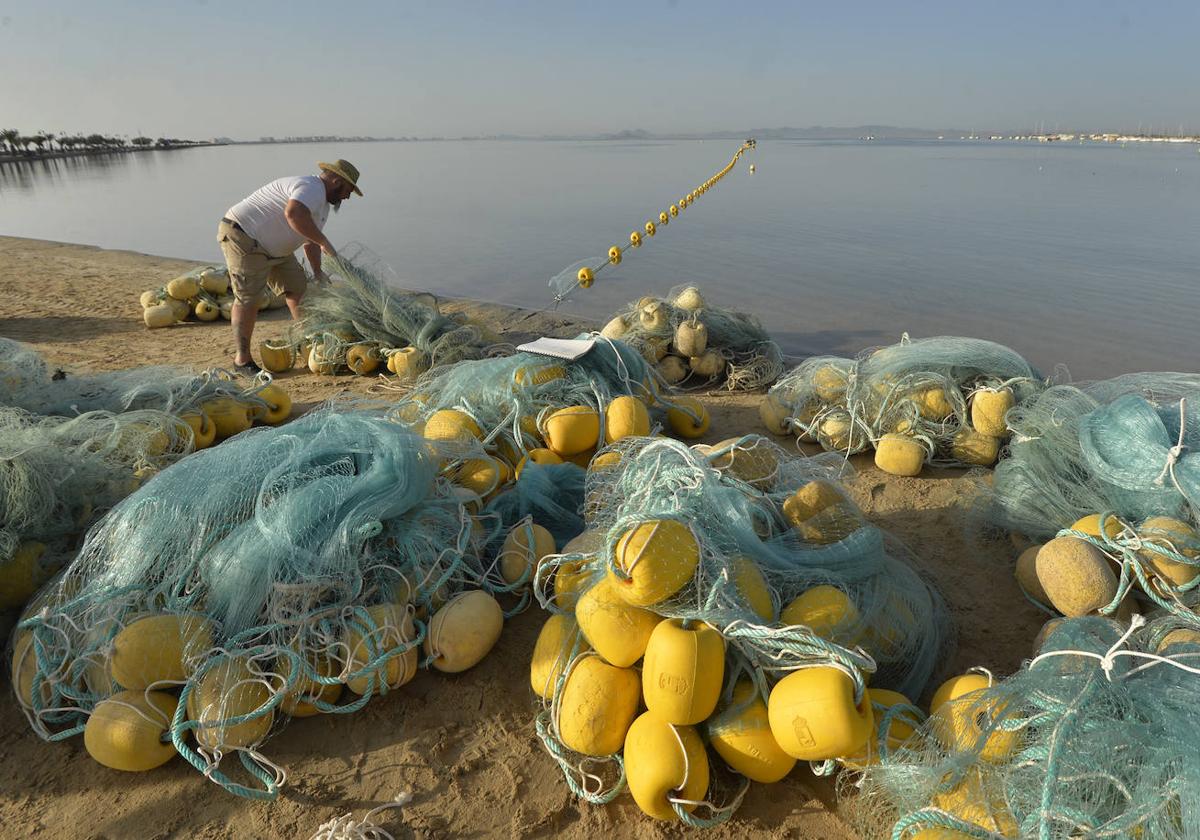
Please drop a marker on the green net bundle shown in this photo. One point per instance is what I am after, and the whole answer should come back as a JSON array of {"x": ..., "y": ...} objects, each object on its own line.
[
  {"x": 1095, "y": 737},
  {"x": 58, "y": 474},
  {"x": 695, "y": 345},
  {"x": 758, "y": 601},
  {"x": 363, "y": 317},
  {"x": 250, "y": 583},
  {"x": 935, "y": 400},
  {"x": 1104, "y": 477},
  {"x": 531, "y": 406}
]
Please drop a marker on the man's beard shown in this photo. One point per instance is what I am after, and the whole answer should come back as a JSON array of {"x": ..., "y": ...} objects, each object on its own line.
[{"x": 336, "y": 205}]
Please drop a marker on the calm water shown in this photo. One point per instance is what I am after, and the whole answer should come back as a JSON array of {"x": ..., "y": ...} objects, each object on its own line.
[{"x": 1083, "y": 255}]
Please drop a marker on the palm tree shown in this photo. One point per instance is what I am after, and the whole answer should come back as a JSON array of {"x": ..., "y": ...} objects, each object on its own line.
[
  {"x": 9, "y": 137},
  {"x": 38, "y": 140},
  {"x": 50, "y": 137}
]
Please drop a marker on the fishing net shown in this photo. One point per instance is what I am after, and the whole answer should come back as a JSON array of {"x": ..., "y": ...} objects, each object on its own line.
[
  {"x": 694, "y": 345},
  {"x": 202, "y": 292},
  {"x": 760, "y": 549},
  {"x": 1095, "y": 737},
  {"x": 948, "y": 395},
  {"x": 58, "y": 474},
  {"x": 256, "y": 579},
  {"x": 510, "y": 400},
  {"x": 366, "y": 308}
]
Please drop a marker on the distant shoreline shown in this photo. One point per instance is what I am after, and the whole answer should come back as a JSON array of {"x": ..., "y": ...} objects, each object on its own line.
[{"x": 31, "y": 157}]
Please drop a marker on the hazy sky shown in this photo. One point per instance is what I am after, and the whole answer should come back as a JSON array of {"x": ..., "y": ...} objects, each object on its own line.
[{"x": 263, "y": 67}]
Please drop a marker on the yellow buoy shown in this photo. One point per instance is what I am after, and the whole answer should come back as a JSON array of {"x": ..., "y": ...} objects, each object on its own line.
[
  {"x": 230, "y": 416},
  {"x": 229, "y": 690},
  {"x": 1090, "y": 525},
  {"x": 182, "y": 288},
  {"x": 710, "y": 364},
  {"x": 151, "y": 298},
  {"x": 541, "y": 456},
  {"x": 690, "y": 299},
  {"x": 585, "y": 277},
  {"x": 615, "y": 328},
  {"x": 363, "y": 359},
  {"x": 656, "y": 559},
  {"x": 157, "y": 648},
  {"x": 1172, "y": 534},
  {"x": 683, "y": 671},
  {"x": 672, "y": 369},
  {"x": 750, "y": 584},
  {"x": 663, "y": 218},
  {"x": 813, "y": 715},
  {"x": 523, "y": 549},
  {"x": 552, "y": 653},
  {"x": 1075, "y": 575},
  {"x": 811, "y": 499},
  {"x": 688, "y": 418},
  {"x": 754, "y": 461},
  {"x": 691, "y": 338},
  {"x": 988, "y": 409},
  {"x": 650, "y": 228},
  {"x": 481, "y": 476},
  {"x": 206, "y": 310},
  {"x": 635, "y": 239},
  {"x": 664, "y": 762},
  {"x": 673, "y": 210},
  {"x": 322, "y": 358},
  {"x": 970, "y": 447},
  {"x": 829, "y": 383},
  {"x": 158, "y": 316},
  {"x": 305, "y": 692},
  {"x": 604, "y": 460},
  {"x": 826, "y": 610},
  {"x": 614, "y": 255},
  {"x": 616, "y": 629},
  {"x": 596, "y": 706},
  {"x": 979, "y": 801},
  {"x": 21, "y": 575},
  {"x": 390, "y": 627},
  {"x": 741, "y": 735},
  {"x": 572, "y": 430},
  {"x": 654, "y": 317},
  {"x": 276, "y": 356},
  {"x": 214, "y": 281},
  {"x": 24, "y": 670},
  {"x": 933, "y": 404},
  {"x": 464, "y": 631},
  {"x": 279, "y": 404},
  {"x": 125, "y": 731},
  {"x": 625, "y": 417},
  {"x": 407, "y": 363},
  {"x": 570, "y": 580},
  {"x": 899, "y": 455},
  {"x": 452, "y": 425},
  {"x": 961, "y": 714},
  {"x": 774, "y": 414},
  {"x": 899, "y": 730}
]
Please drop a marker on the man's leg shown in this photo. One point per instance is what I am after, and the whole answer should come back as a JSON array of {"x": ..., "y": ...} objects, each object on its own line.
[
  {"x": 288, "y": 278},
  {"x": 243, "y": 316}
]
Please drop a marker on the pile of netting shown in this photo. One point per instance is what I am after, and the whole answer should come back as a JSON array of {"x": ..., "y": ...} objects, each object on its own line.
[
  {"x": 1098, "y": 736},
  {"x": 252, "y": 583},
  {"x": 694, "y": 345},
  {"x": 934, "y": 400},
  {"x": 362, "y": 319},
  {"x": 203, "y": 292},
  {"x": 759, "y": 602},
  {"x": 548, "y": 410},
  {"x": 71, "y": 446},
  {"x": 1106, "y": 475}
]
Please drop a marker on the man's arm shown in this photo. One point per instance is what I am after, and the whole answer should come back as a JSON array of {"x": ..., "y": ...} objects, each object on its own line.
[
  {"x": 313, "y": 251},
  {"x": 300, "y": 219}
]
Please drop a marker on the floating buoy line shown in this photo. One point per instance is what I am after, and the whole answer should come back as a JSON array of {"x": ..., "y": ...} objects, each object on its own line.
[{"x": 582, "y": 274}]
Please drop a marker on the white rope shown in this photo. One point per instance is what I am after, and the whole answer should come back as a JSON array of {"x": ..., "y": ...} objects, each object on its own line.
[
  {"x": 1176, "y": 451},
  {"x": 1108, "y": 660},
  {"x": 345, "y": 828}
]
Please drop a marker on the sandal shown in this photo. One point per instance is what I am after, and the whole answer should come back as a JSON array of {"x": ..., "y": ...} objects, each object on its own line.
[{"x": 251, "y": 368}]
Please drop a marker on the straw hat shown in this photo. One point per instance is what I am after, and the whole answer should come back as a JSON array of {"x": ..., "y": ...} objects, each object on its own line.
[{"x": 345, "y": 170}]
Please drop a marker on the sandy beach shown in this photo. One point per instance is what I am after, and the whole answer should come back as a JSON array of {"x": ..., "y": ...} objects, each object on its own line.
[{"x": 462, "y": 745}]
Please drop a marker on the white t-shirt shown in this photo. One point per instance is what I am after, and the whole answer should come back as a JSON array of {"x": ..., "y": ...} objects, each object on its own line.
[{"x": 261, "y": 214}]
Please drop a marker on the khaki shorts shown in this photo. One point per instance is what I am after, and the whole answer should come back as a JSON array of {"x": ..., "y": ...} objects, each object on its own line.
[{"x": 251, "y": 269}]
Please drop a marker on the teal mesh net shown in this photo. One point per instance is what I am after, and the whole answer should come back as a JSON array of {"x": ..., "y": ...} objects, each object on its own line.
[
  {"x": 696, "y": 345},
  {"x": 1095, "y": 737},
  {"x": 255, "y": 578},
  {"x": 931, "y": 390},
  {"x": 769, "y": 533}
]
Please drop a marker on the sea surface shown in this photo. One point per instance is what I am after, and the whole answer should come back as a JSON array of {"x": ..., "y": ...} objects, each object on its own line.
[{"x": 1081, "y": 255}]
